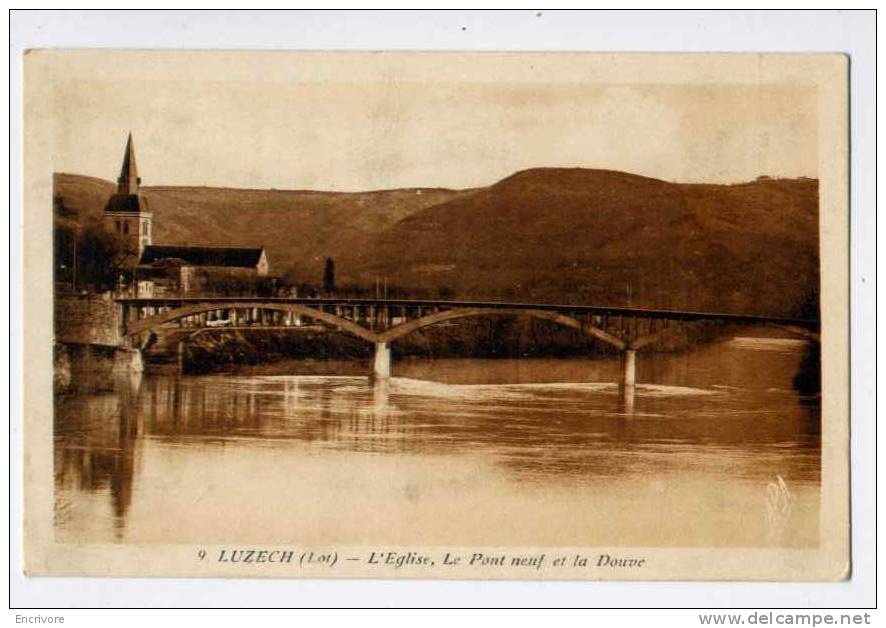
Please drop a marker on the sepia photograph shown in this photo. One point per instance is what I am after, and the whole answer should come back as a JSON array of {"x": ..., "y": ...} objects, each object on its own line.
[{"x": 436, "y": 315}]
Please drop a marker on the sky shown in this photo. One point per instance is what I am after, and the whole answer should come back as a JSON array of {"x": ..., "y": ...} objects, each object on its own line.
[{"x": 389, "y": 133}]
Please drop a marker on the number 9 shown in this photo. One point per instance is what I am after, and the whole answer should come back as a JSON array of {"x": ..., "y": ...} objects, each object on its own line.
[{"x": 201, "y": 554}]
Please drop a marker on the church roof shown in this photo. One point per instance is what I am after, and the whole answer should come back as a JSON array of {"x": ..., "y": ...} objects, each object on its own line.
[
  {"x": 203, "y": 255},
  {"x": 129, "y": 169},
  {"x": 127, "y": 199},
  {"x": 127, "y": 203}
]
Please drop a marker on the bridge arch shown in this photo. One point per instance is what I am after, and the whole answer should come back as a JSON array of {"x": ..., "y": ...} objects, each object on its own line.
[
  {"x": 390, "y": 335},
  {"x": 796, "y": 331},
  {"x": 152, "y": 322},
  {"x": 404, "y": 329}
]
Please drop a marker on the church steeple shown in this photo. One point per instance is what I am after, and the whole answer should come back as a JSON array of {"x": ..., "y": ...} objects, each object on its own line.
[
  {"x": 127, "y": 215},
  {"x": 128, "y": 181}
]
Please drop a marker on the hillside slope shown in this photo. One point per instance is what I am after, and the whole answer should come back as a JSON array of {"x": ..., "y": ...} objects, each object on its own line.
[
  {"x": 603, "y": 237},
  {"x": 299, "y": 228},
  {"x": 546, "y": 234}
]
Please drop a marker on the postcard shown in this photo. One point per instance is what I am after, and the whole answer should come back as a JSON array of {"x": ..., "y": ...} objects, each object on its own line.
[{"x": 528, "y": 316}]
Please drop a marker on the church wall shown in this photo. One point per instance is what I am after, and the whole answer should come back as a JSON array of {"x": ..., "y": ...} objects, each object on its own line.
[
  {"x": 220, "y": 281},
  {"x": 134, "y": 229}
]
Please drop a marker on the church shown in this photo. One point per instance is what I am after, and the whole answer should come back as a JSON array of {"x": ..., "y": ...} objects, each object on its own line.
[{"x": 171, "y": 270}]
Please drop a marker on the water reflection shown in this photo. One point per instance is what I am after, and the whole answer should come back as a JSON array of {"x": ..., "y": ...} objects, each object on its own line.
[
  {"x": 99, "y": 452},
  {"x": 699, "y": 441}
]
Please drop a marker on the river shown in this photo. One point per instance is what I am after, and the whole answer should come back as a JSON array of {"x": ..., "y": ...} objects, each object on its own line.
[{"x": 716, "y": 448}]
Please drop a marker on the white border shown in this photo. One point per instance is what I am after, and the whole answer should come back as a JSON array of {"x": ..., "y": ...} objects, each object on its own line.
[{"x": 824, "y": 31}]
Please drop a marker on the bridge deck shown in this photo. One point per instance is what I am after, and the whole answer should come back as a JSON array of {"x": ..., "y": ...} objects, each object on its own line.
[{"x": 492, "y": 305}]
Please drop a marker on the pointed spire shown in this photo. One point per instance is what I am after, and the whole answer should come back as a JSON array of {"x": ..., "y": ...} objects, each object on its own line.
[{"x": 129, "y": 180}]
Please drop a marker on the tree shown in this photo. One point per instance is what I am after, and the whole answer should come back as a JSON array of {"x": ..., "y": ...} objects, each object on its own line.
[
  {"x": 105, "y": 256},
  {"x": 66, "y": 232},
  {"x": 329, "y": 276}
]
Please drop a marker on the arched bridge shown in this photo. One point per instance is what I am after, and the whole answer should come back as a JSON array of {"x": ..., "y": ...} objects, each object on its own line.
[{"x": 382, "y": 321}]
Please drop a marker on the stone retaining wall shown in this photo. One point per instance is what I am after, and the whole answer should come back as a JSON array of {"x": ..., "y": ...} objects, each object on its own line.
[{"x": 87, "y": 319}]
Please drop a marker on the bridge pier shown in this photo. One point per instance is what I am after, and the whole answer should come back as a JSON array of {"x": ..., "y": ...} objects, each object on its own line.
[
  {"x": 381, "y": 364},
  {"x": 626, "y": 400},
  {"x": 627, "y": 385},
  {"x": 629, "y": 368}
]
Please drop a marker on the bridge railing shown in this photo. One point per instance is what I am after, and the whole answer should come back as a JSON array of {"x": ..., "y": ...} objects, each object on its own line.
[{"x": 573, "y": 309}]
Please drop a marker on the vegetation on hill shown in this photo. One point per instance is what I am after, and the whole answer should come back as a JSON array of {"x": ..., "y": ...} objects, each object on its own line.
[
  {"x": 298, "y": 228},
  {"x": 601, "y": 237},
  {"x": 544, "y": 235}
]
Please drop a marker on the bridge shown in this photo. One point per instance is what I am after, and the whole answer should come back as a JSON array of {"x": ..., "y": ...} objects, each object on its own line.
[{"x": 383, "y": 321}]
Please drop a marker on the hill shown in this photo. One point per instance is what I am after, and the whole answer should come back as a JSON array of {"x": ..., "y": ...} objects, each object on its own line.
[
  {"x": 545, "y": 234},
  {"x": 603, "y": 237},
  {"x": 299, "y": 228}
]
